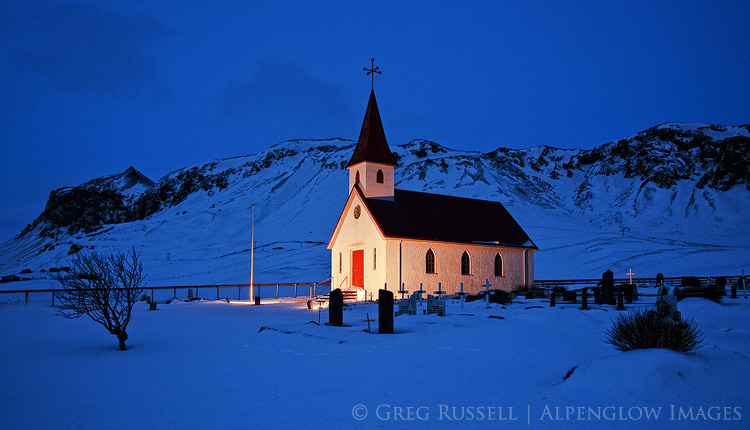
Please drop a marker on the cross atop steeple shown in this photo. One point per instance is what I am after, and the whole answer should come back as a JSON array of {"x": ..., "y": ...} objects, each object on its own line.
[{"x": 372, "y": 70}]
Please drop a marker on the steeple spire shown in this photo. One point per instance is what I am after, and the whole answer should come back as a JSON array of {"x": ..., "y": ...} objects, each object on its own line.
[{"x": 372, "y": 145}]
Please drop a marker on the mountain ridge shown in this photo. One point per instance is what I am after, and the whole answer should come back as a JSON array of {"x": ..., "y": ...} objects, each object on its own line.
[{"x": 670, "y": 178}]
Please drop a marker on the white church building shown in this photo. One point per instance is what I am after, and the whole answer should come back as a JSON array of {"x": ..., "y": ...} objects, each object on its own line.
[{"x": 386, "y": 237}]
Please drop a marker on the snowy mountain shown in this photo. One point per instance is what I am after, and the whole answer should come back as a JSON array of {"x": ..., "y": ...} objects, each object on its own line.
[{"x": 670, "y": 199}]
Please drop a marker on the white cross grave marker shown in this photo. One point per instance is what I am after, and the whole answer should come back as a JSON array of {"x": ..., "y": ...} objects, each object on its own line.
[
  {"x": 402, "y": 291},
  {"x": 630, "y": 273}
]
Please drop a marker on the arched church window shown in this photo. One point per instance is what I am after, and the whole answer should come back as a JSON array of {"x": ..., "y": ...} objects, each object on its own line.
[
  {"x": 380, "y": 176},
  {"x": 430, "y": 262},
  {"x": 498, "y": 265},
  {"x": 465, "y": 264},
  {"x": 356, "y": 177}
]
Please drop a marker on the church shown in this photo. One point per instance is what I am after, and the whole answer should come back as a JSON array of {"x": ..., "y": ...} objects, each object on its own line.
[{"x": 387, "y": 238}]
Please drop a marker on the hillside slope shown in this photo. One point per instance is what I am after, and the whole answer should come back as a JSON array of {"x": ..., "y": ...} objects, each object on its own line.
[{"x": 670, "y": 199}]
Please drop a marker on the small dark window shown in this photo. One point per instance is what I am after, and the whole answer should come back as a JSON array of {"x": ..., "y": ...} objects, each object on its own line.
[
  {"x": 465, "y": 264},
  {"x": 356, "y": 177},
  {"x": 498, "y": 265},
  {"x": 380, "y": 176},
  {"x": 430, "y": 262}
]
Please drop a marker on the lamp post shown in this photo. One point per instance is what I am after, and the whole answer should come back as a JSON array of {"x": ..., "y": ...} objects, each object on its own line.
[{"x": 252, "y": 254}]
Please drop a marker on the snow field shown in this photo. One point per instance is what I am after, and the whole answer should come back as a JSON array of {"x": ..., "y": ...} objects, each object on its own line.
[{"x": 208, "y": 364}]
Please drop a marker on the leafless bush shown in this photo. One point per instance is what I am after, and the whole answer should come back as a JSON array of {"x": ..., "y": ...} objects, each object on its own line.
[{"x": 105, "y": 287}]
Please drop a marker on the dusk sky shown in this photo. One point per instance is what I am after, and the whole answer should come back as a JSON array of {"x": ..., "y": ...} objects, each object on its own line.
[{"x": 91, "y": 88}]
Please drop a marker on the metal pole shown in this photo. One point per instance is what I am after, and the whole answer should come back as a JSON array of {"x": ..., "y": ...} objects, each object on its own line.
[{"x": 252, "y": 254}]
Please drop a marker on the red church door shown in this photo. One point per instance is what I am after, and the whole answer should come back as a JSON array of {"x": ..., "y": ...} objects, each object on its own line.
[{"x": 358, "y": 268}]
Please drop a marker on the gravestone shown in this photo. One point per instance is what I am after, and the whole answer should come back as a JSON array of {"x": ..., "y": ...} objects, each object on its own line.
[
  {"x": 552, "y": 298},
  {"x": 569, "y": 296},
  {"x": 608, "y": 287},
  {"x": 408, "y": 306},
  {"x": 721, "y": 285},
  {"x": 666, "y": 307},
  {"x": 620, "y": 304},
  {"x": 628, "y": 291},
  {"x": 584, "y": 299},
  {"x": 336, "y": 308},
  {"x": 435, "y": 305},
  {"x": 660, "y": 287},
  {"x": 190, "y": 294},
  {"x": 385, "y": 312}
]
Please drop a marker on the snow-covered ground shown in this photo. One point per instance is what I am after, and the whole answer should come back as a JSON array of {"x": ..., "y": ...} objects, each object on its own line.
[{"x": 210, "y": 364}]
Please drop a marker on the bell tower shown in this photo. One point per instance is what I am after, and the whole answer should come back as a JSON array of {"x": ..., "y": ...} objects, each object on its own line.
[{"x": 372, "y": 164}]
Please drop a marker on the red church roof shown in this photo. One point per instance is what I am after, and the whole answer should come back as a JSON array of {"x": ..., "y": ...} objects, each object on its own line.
[{"x": 372, "y": 145}]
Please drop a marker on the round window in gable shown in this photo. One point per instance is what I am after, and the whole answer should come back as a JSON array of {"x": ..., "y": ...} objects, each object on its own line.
[{"x": 357, "y": 212}]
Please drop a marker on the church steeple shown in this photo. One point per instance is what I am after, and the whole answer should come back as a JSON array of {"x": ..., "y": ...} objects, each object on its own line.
[
  {"x": 371, "y": 166},
  {"x": 372, "y": 145}
]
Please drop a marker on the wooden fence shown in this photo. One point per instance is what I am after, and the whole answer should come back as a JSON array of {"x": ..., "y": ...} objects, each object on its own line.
[
  {"x": 547, "y": 284},
  {"x": 161, "y": 293}
]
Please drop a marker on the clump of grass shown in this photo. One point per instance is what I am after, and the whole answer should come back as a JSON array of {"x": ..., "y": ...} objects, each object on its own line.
[{"x": 642, "y": 329}]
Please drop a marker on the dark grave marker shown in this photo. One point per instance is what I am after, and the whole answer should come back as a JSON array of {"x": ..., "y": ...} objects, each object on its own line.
[
  {"x": 608, "y": 287},
  {"x": 336, "y": 308},
  {"x": 584, "y": 299},
  {"x": 628, "y": 291},
  {"x": 620, "y": 304},
  {"x": 385, "y": 312},
  {"x": 569, "y": 296}
]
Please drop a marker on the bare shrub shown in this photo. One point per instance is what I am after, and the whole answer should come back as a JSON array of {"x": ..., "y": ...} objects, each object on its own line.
[
  {"x": 642, "y": 329},
  {"x": 105, "y": 287}
]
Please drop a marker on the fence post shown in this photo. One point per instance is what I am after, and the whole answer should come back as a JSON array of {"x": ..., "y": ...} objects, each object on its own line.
[
  {"x": 174, "y": 293},
  {"x": 217, "y": 292},
  {"x": 277, "y": 291},
  {"x": 584, "y": 299},
  {"x": 315, "y": 288},
  {"x": 239, "y": 292},
  {"x": 53, "y": 299},
  {"x": 295, "y": 291},
  {"x": 153, "y": 299},
  {"x": 27, "y": 297}
]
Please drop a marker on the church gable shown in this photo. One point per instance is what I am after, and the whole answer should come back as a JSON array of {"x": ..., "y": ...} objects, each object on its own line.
[{"x": 355, "y": 219}]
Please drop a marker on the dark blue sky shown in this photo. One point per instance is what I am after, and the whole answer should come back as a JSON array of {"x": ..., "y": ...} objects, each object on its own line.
[{"x": 92, "y": 87}]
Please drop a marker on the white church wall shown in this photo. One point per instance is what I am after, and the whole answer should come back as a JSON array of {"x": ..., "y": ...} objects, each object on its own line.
[{"x": 412, "y": 261}]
